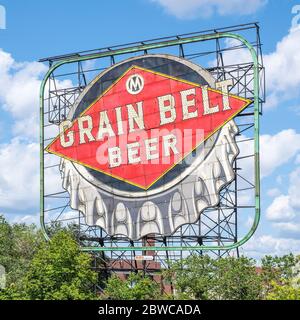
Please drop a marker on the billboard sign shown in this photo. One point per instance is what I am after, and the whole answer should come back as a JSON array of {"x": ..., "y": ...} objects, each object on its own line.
[{"x": 148, "y": 145}]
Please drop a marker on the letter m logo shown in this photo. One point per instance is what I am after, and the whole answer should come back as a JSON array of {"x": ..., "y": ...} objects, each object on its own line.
[{"x": 135, "y": 84}]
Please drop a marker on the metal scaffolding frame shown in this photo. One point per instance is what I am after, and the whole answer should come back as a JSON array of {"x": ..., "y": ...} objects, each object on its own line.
[{"x": 217, "y": 229}]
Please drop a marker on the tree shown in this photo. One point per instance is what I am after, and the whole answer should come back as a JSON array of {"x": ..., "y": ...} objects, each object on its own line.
[
  {"x": 237, "y": 279},
  {"x": 6, "y": 245},
  {"x": 201, "y": 277},
  {"x": 18, "y": 243},
  {"x": 193, "y": 277},
  {"x": 283, "y": 292},
  {"x": 135, "y": 287},
  {"x": 58, "y": 270},
  {"x": 278, "y": 270}
]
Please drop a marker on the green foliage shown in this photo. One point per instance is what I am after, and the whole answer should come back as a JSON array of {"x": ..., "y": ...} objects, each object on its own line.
[
  {"x": 56, "y": 226},
  {"x": 58, "y": 270},
  {"x": 18, "y": 243},
  {"x": 203, "y": 278},
  {"x": 278, "y": 270},
  {"x": 6, "y": 246},
  {"x": 237, "y": 279},
  {"x": 283, "y": 292},
  {"x": 135, "y": 287},
  {"x": 193, "y": 277}
]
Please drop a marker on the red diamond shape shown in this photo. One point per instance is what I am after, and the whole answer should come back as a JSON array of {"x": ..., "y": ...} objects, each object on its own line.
[{"x": 145, "y": 95}]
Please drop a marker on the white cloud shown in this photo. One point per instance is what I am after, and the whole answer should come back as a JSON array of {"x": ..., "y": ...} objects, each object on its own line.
[
  {"x": 238, "y": 55},
  {"x": 273, "y": 192},
  {"x": 27, "y": 219},
  {"x": 280, "y": 209},
  {"x": 190, "y": 9},
  {"x": 259, "y": 246},
  {"x": 66, "y": 217},
  {"x": 6, "y": 62},
  {"x": 288, "y": 229},
  {"x": 19, "y": 93},
  {"x": 285, "y": 208},
  {"x": 19, "y": 175},
  {"x": 275, "y": 151},
  {"x": 249, "y": 222},
  {"x": 278, "y": 149},
  {"x": 288, "y": 226},
  {"x": 281, "y": 69},
  {"x": 294, "y": 189},
  {"x": 19, "y": 158},
  {"x": 282, "y": 65}
]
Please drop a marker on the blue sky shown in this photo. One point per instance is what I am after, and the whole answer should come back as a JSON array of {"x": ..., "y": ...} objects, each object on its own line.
[{"x": 35, "y": 29}]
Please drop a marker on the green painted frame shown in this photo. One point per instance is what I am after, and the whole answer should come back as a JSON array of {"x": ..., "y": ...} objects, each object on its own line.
[{"x": 149, "y": 47}]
